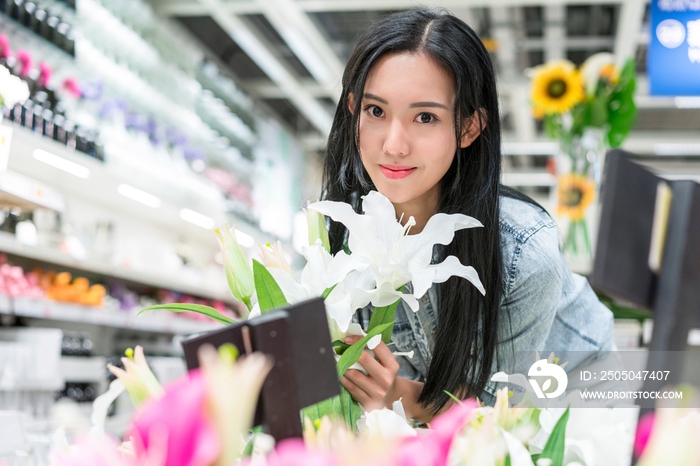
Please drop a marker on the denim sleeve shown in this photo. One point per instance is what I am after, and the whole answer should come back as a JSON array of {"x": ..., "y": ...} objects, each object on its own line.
[
  {"x": 534, "y": 271},
  {"x": 534, "y": 279}
]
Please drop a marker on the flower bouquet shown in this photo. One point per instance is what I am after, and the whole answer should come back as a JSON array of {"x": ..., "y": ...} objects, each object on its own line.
[
  {"x": 587, "y": 110},
  {"x": 215, "y": 405},
  {"x": 383, "y": 258}
]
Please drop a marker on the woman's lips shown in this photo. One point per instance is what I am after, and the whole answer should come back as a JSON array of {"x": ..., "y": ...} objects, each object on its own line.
[{"x": 396, "y": 172}]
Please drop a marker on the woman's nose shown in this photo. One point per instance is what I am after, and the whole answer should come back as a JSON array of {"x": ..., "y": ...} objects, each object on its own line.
[{"x": 396, "y": 142}]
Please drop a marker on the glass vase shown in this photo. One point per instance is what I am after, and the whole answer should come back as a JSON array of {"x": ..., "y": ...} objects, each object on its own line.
[{"x": 578, "y": 167}]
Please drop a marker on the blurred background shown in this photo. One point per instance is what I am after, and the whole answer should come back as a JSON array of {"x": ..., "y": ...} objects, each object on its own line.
[{"x": 151, "y": 122}]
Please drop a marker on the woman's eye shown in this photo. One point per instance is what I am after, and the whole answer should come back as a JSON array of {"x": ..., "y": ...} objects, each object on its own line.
[
  {"x": 426, "y": 118},
  {"x": 375, "y": 111}
]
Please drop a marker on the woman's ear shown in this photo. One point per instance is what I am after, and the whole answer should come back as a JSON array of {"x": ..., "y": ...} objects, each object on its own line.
[
  {"x": 472, "y": 128},
  {"x": 351, "y": 102}
]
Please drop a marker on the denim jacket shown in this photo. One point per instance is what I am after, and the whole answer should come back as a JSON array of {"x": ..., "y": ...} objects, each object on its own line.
[{"x": 551, "y": 308}]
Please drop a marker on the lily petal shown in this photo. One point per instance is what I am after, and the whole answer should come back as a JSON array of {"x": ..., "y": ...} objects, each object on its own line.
[
  {"x": 439, "y": 273},
  {"x": 317, "y": 229},
  {"x": 238, "y": 271},
  {"x": 380, "y": 208},
  {"x": 342, "y": 264},
  {"x": 440, "y": 229},
  {"x": 340, "y": 311},
  {"x": 386, "y": 295},
  {"x": 362, "y": 228},
  {"x": 519, "y": 456},
  {"x": 102, "y": 403},
  {"x": 293, "y": 291}
]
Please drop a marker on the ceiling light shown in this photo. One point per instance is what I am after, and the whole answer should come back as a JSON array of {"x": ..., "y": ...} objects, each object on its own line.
[
  {"x": 244, "y": 239},
  {"x": 61, "y": 163},
  {"x": 198, "y": 219},
  {"x": 139, "y": 196}
]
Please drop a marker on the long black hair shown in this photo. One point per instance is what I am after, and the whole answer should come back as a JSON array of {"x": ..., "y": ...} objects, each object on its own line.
[{"x": 468, "y": 322}]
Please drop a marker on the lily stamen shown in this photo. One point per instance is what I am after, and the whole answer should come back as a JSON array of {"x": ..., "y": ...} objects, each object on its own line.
[{"x": 410, "y": 223}]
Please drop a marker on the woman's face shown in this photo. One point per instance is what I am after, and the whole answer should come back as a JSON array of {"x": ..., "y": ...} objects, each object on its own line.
[{"x": 407, "y": 132}]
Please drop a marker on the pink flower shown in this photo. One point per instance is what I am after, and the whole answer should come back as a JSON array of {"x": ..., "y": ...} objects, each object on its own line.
[
  {"x": 44, "y": 74},
  {"x": 175, "y": 430},
  {"x": 72, "y": 87},
  {"x": 25, "y": 59},
  {"x": 432, "y": 448},
  {"x": 644, "y": 430},
  {"x": 5, "y": 50},
  {"x": 293, "y": 452}
]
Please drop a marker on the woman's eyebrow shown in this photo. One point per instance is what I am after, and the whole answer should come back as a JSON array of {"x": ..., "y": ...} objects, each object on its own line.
[{"x": 367, "y": 95}]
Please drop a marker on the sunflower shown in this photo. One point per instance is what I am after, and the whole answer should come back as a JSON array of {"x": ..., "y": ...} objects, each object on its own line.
[
  {"x": 556, "y": 87},
  {"x": 575, "y": 193}
]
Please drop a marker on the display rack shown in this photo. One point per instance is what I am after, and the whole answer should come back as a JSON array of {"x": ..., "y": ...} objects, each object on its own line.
[
  {"x": 155, "y": 322},
  {"x": 9, "y": 245}
]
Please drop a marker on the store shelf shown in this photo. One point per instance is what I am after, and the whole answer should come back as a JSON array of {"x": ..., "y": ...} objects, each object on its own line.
[
  {"x": 156, "y": 322},
  {"x": 82, "y": 369},
  {"x": 102, "y": 181},
  {"x": 10, "y": 245}
]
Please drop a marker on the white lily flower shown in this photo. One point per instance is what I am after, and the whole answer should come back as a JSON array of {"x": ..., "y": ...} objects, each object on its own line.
[
  {"x": 381, "y": 245},
  {"x": 317, "y": 229},
  {"x": 386, "y": 424},
  {"x": 595, "y": 435},
  {"x": 321, "y": 272},
  {"x": 238, "y": 271},
  {"x": 273, "y": 257}
]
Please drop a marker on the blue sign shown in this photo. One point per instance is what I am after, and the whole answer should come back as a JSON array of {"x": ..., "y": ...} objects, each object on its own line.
[{"x": 673, "y": 59}]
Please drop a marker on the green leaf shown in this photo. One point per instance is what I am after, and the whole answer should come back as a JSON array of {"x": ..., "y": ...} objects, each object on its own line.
[
  {"x": 198, "y": 308},
  {"x": 350, "y": 408},
  {"x": 453, "y": 397},
  {"x": 507, "y": 463},
  {"x": 623, "y": 111},
  {"x": 340, "y": 346},
  {"x": 598, "y": 109},
  {"x": 327, "y": 291},
  {"x": 329, "y": 407},
  {"x": 352, "y": 354},
  {"x": 554, "y": 448},
  {"x": 384, "y": 315},
  {"x": 552, "y": 126},
  {"x": 622, "y": 312},
  {"x": 270, "y": 294},
  {"x": 343, "y": 406},
  {"x": 248, "y": 449}
]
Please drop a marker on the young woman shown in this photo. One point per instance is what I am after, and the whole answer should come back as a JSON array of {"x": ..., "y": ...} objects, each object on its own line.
[{"x": 418, "y": 121}]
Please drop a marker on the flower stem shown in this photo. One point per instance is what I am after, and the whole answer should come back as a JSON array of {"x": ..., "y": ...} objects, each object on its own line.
[
  {"x": 589, "y": 250},
  {"x": 248, "y": 304}
]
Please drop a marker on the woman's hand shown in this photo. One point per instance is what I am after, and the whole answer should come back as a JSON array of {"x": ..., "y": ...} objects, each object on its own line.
[{"x": 377, "y": 389}]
